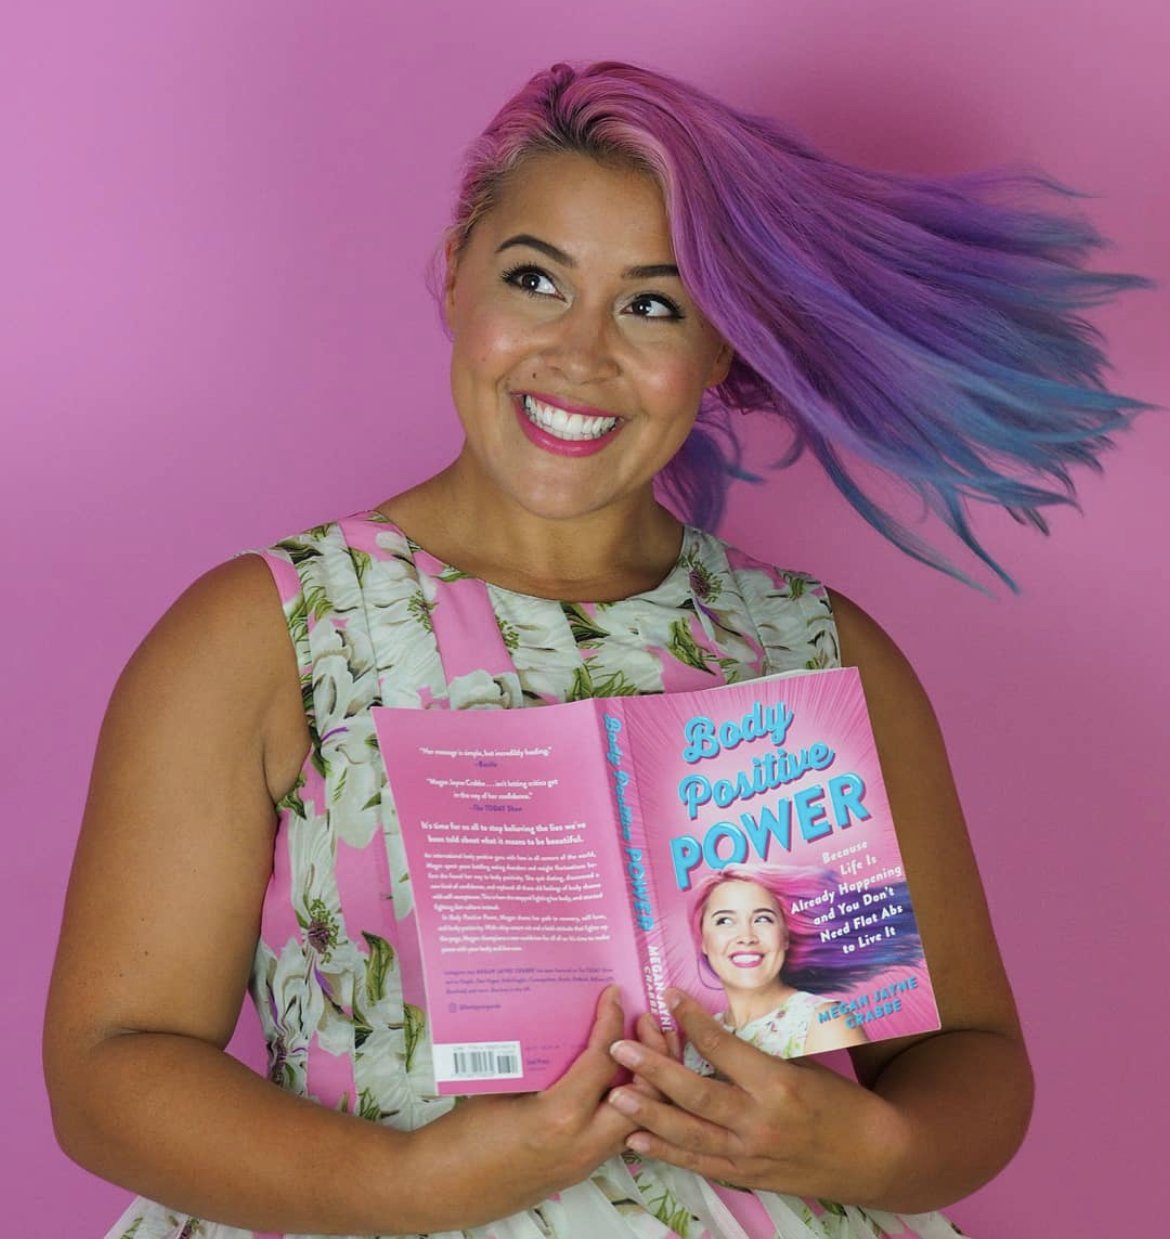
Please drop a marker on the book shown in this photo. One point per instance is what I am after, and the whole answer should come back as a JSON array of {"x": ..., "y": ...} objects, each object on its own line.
[{"x": 735, "y": 842}]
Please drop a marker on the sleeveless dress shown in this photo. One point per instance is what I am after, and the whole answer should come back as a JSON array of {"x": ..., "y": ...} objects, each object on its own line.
[{"x": 375, "y": 619}]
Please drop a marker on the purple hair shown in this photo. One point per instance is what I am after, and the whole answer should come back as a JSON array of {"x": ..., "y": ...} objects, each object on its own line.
[
  {"x": 810, "y": 963},
  {"x": 929, "y": 327}
]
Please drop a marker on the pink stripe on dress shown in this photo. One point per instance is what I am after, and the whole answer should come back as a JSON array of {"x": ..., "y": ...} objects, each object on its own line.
[
  {"x": 361, "y": 892},
  {"x": 464, "y": 623}
]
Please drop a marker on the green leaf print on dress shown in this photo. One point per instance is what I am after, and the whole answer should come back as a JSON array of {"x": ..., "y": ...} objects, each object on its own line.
[
  {"x": 611, "y": 684},
  {"x": 414, "y": 1025},
  {"x": 378, "y": 966},
  {"x": 361, "y": 561},
  {"x": 420, "y": 610},
  {"x": 291, "y": 801},
  {"x": 509, "y": 634},
  {"x": 317, "y": 602},
  {"x": 585, "y": 630},
  {"x": 662, "y": 1202},
  {"x": 684, "y": 647},
  {"x": 301, "y": 549}
]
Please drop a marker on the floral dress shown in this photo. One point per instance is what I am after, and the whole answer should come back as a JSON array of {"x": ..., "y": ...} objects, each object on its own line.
[
  {"x": 374, "y": 619},
  {"x": 781, "y": 1032}
]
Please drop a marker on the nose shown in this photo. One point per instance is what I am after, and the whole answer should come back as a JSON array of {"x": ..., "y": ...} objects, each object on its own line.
[{"x": 581, "y": 344}]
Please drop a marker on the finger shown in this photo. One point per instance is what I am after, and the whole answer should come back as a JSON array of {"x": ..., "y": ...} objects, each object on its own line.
[
  {"x": 722, "y": 1169},
  {"x": 675, "y": 1126},
  {"x": 650, "y": 1034},
  {"x": 734, "y": 1059},
  {"x": 607, "y": 1017},
  {"x": 591, "y": 1073},
  {"x": 711, "y": 1099}
]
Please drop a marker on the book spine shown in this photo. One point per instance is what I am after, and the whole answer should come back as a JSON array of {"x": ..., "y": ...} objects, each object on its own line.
[{"x": 636, "y": 863}]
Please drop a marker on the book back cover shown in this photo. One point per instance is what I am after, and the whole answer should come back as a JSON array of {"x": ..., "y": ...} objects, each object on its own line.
[{"x": 508, "y": 826}]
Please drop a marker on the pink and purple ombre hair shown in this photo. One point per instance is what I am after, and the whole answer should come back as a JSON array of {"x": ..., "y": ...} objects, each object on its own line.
[
  {"x": 928, "y": 327},
  {"x": 810, "y": 962}
]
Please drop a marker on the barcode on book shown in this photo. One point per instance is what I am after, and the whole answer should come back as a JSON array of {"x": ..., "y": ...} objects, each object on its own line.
[{"x": 480, "y": 1060}]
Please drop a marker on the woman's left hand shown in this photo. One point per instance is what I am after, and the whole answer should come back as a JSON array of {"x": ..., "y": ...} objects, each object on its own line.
[{"x": 765, "y": 1123}]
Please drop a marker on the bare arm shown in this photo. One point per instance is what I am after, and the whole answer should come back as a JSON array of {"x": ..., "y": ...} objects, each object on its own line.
[
  {"x": 938, "y": 1115},
  {"x": 205, "y": 730},
  {"x": 964, "y": 1095}
]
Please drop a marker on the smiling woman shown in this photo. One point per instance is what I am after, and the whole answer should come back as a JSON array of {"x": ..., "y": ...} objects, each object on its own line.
[{"x": 630, "y": 263}]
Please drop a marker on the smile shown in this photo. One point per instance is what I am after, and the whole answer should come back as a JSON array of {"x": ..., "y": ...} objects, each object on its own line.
[
  {"x": 746, "y": 959},
  {"x": 568, "y": 427}
]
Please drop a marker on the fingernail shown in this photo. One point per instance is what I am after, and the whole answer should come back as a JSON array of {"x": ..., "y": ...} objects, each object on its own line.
[
  {"x": 623, "y": 1100},
  {"x": 639, "y": 1142},
  {"x": 673, "y": 998},
  {"x": 626, "y": 1053}
]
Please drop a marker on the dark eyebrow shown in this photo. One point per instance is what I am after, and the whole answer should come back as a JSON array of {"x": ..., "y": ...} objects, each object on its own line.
[
  {"x": 652, "y": 271},
  {"x": 550, "y": 251}
]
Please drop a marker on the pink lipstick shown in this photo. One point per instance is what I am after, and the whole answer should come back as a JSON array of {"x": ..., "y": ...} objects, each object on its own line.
[{"x": 564, "y": 429}]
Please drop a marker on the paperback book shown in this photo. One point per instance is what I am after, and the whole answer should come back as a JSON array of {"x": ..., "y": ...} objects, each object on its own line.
[{"x": 734, "y": 842}]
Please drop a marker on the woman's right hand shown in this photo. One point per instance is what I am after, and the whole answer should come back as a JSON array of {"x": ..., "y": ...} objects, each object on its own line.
[{"x": 498, "y": 1154}]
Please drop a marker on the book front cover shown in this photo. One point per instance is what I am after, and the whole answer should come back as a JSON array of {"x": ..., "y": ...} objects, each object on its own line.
[{"x": 780, "y": 898}]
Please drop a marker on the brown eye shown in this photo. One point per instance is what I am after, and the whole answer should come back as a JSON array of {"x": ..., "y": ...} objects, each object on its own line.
[
  {"x": 654, "y": 305},
  {"x": 531, "y": 280}
]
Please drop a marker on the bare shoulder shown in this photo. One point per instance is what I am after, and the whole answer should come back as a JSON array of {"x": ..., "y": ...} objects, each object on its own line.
[
  {"x": 222, "y": 654},
  {"x": 864, "y": 642},
  {"x": 898, "y": 704},
  {"x": 231, "y": 613}
]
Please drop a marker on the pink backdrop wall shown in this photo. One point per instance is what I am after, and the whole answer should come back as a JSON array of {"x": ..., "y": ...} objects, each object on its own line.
[{"x": 213, "y": 223}]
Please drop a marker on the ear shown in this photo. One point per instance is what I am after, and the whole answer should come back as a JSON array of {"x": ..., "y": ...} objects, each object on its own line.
[
  {"x": 721, "y": 366},
  {"x": 450, "y": 265}
]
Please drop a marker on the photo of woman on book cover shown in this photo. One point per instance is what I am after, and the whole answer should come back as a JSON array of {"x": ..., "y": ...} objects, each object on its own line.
[{"x": 759, "y": 937}]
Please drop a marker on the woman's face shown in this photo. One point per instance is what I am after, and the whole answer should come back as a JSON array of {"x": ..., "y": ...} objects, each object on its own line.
[
  {"x": 578, "y": 357},
  {"x": 744, "y": 938}
]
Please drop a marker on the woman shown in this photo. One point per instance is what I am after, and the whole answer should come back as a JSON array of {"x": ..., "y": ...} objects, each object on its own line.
[
  {"x": 625, "y": 252},
  {"x": 772, "y": 963}
]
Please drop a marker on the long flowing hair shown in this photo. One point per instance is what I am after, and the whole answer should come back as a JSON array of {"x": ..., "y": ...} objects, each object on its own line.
[
  {"x": 928, "y": 327},
  {"x": 812, "y": 962}
]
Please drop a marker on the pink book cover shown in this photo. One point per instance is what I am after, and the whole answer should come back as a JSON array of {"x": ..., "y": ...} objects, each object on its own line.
[{"x": 735, "y": 842}]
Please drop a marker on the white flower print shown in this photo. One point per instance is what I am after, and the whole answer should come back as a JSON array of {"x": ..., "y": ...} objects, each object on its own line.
[
  {"x": 290, "y": 1003},
  {"x": 481, "y": 690}
]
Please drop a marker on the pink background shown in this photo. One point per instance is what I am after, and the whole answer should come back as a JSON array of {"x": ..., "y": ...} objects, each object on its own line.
[{"x": 215, "y": 218}]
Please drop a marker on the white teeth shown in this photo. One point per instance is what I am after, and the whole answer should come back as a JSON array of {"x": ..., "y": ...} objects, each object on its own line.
[{"x": 561, "y": 425}]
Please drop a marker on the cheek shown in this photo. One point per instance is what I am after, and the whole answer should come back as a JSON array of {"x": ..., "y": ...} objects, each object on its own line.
[
  {"x": 676, "y": 383},
  {"x": 485, "y": 336}
]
